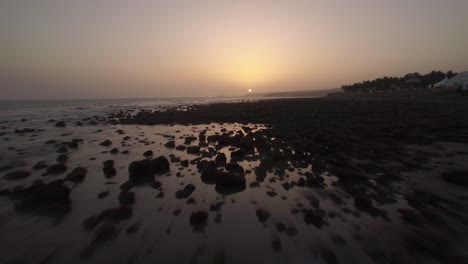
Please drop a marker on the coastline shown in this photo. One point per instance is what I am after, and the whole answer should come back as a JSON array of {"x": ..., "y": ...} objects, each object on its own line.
[{"x": 359, "y": 175}]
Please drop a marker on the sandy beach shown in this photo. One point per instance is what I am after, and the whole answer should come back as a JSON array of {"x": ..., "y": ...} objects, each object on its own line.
[{"x": 331, "y": 180}]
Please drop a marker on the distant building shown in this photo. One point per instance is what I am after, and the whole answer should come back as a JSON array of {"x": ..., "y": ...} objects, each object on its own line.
[{"x": 459, "y": 81}]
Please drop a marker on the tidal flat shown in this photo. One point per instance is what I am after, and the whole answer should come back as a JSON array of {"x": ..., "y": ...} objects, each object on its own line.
[{"x": 329, "y": 180}]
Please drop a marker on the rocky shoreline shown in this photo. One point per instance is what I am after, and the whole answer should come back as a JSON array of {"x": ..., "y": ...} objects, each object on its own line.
[{"x": 326, "y": 167}]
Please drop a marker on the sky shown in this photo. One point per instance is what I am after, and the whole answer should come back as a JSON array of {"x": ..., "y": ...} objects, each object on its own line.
[{"x": 56, "y": 49}]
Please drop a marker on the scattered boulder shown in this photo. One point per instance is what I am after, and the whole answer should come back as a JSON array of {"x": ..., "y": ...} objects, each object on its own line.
[
  {"x": 126, "y": 197},
  {"x": 186, "y": 192},
  {"x": 195, "y": 150},
  {"x": 40, "y": 165},
  {"x": 170, "y": 144},
  {"x": 221, "y": 160},
  {"x": 237, "y": 155},
  {"x": 62, "y": 158},
  {"x": 181, "y": 147},
  {"x": 145, "y": 168},
  {"x": 188, "y": 140},
  {"x": 314, "y": 217},
  {"x": 262, "y": 215},
  {"x": 77, "y": 175},
  {"x": 229, "y": 183},
  {"x": 106, "y": 231},
  {"x": 106, "y": 143},
  {"x": 109, "y": 170},
  {"x": 60, "y": 124},
  {"x": 114, "y": 151},
  {"x": 458, "y": 177},
  {"x": 16, "y": 175},
  {"x": 148, "y": 153},
  {"x": 56, "y": 168},
  {"x": 199, "y": 220}
]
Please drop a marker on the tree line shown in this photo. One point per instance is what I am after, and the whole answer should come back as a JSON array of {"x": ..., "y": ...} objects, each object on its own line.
[{"x": 389, "y": 83}]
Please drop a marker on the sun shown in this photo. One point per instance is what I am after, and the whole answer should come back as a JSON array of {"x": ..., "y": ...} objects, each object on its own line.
[{"x": 250, "y": 90}]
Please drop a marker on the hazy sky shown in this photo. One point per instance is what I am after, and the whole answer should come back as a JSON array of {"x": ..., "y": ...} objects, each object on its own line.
[{"x": 138, "y": 48}]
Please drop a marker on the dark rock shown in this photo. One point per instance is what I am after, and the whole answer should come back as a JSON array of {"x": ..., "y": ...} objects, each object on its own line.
[
  {"x": 114, "y": 151},
  {"x": 106, "y": 231},
  {"x": 156, "y": 184},
  {"x": 56, "y": 168},
  {"x": 147, "y": 168},
  {"x": 237, "y": 155},
  {"x": 125, "y": 152},
  {"x": 362, "y": 201},
  {"x": 109, "y": 171},
  {"x": 106, "y": 143},
  {"x": 186, "y": 192},
  {"x": 184, "y": 163},
  {"x": 221, "y": 160},
  {"x": 189, "y": 140},
  {"x": 62, "y": 158},
  {"x": 193, "y": 150},
  {"x": 314, "y": 217},
  {"x": 458, "y": 177},
  {"x": 126, "y": 197},
  {"x": 40, "y": 165},
  {"x": 229, "y": 183},
  {"x": 62, "y": 149},
  {"x": 60, "y": 124},
  {"x": 199, "y": 220},
  {"x": 77, "y": 175},
  {"x": 24, "y": 130},
  {"x": 280, "y": 227},
  {"x": 262, "y": 215},
  {"x": 276, "y": 244},
  {"x": 108, "y": 163},
  {"x": 148, "y": 153},
  {"x": 234, "y": 167},
  {"x": 16, "y": 175},
  {"x": 103, "y": 195},
  {"x": 170, "y": 144},
  {"x": 181, "y": 147}
]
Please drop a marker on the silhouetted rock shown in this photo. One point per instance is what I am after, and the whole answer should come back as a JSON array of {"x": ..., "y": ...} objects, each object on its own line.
[
  {"x": 229, "y": 183},
  {"x": 221, "y": 160},
  {"x": 106, "y": 231},
  {"x": 314, "y": 217},
  {"x": 156, "y": 184},
  {"x": 238, "y": 155},
  {"x": 62, "y": 158},
  {"x": 193, "y": 150},
  {"x": 103, "y": 195},
  {"x": 60, "y": 124},
  {"x": 170, "y": 144},
  {"x": 56, "y": 168},
  {"x": 199, "y": 220},
  {"x": 16, "y": 175},
  {"x": 126, "y": 197},
  {"x": 181, "y": 147},
  {"x": 109, "y": 170},
  {"x": 146, "y": 168},
  {"x": 148, "y": 153},
  {"x": 262, "y": 215},
  {"x": 106, "y": 143},
  {"x": 189, "y": 140},
  {"x": 40, "y": 165},
  {"x": 186, "y": 192},
  {"x": 458, "y": 177},
  {"x": 114, "y": 151},
  {"x": 62, "y": 149},
  {"x": 77, "y": 175}
]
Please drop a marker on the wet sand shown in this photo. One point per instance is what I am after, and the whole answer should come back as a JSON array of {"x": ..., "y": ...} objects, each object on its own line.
[{"x": 329, "y": 180}]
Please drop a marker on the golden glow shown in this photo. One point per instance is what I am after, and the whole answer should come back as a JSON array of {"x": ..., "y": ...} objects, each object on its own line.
[{"x": 250, "y": 90}]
